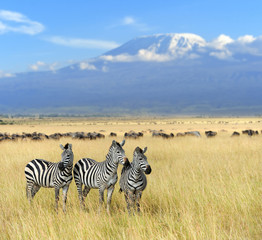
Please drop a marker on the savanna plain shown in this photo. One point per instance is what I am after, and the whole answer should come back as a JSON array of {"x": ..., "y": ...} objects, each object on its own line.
[{"x": 199, "y": 188}]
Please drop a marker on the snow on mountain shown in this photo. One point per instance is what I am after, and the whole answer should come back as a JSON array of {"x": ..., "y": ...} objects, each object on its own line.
[
  {"x": 159, "y": 47},
  {"x": 172, "y": 46}
]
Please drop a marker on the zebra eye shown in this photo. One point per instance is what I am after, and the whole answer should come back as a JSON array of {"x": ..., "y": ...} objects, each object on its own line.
[{"x": 117, "y": 152}]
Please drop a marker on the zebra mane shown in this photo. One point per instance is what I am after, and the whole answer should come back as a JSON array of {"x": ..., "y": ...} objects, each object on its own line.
[
  {"x": 138, "y": 150},
  {"x": 110, "y": 148},
  {"x": 126, "y": 166},
  {"x": 115, "y": 143},
  {"x": 66, "y": 146}
]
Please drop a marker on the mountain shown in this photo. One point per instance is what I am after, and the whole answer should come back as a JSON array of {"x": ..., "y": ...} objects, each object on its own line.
[{"x": 158, "y": 74}]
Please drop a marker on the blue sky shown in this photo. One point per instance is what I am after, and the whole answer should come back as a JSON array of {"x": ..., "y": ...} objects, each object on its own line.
[{"x": 45, "y": 34}]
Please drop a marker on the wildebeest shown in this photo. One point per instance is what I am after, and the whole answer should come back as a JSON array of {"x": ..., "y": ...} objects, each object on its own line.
[
  {"x": 180, "y": 134},
  {"x": 193, "y": 133},
  {"x": 133, "y": 134},
  {"x": 250, "y": 132},
  {"x": 112, "y": 134},
  {"x": 234, "y": 134},
  {"x": 210, "y": 133},
  {"x": 36, "y": 138},
  {"x": 162, "y": 134}
]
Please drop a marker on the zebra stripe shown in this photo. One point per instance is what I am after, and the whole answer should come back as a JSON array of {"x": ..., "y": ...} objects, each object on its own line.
[
  {"x": 99, "y": 175},
  {"x": 133, "y": 180},
  {"x": 41, "y": 173}
]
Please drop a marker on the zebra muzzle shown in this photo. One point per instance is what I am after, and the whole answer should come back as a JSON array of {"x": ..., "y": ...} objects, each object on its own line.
[
  {"x": 61, "y": 166},
  {"x": 148, "y": 169},
  {"x": 126, "y": 161}
]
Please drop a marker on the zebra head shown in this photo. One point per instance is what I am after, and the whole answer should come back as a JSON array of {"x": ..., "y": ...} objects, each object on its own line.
[
  {"x": 118, "y": 153},
  {"x": 67, "y": 156},
  {"x": 140, "y": 160}
]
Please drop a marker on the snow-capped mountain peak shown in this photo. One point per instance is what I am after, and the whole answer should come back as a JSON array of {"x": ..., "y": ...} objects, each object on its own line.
[
  {"x": 172, "y": 46},
  {"x": 171, "y": 43}
]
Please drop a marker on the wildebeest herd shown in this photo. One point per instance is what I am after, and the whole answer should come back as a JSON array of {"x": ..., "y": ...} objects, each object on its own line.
[
  {"x": 92, "y": 174},
  {"x": 35, "y": 136}
]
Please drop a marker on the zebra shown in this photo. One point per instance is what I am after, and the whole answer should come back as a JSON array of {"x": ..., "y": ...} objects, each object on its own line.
[
  {"x": 99, "y": 175},
  {"x": 41, "y": 173},
  {"x": 133, "y": 180}
]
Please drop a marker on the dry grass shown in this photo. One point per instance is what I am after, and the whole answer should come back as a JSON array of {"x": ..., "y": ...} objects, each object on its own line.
[{"x": 199, "y": 188}]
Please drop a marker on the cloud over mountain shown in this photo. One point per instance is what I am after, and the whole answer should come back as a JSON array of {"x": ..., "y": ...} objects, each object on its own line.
[
  {"x": 6, "y": 75},
  {"x": 42, "y": 66}
]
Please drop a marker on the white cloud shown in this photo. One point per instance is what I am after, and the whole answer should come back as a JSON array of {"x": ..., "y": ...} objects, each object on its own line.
[
  {"x": 219, "y": 47},
  {"x": 222, "y": 54},
  {"x": 17, "y": 22},
  {"x": 247, "y": 45},
  {"x": 86, "y": 66},
  {"x": 82, "y": 43},
  {"x": 129, "y": 21},
  {"x": 6, "y": 75},
  {"x": 37, "y": 65},
  {"x": 246, "y": 39},
  {"x": 42, "y": 66},
  {"x": 143, "y": 55},
  {"x": 119, "y": 58},
  {"x": 220, "y": 42}
]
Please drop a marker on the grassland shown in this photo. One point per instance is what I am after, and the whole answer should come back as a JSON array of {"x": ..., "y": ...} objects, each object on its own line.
[{"x": 199, "y": 188}]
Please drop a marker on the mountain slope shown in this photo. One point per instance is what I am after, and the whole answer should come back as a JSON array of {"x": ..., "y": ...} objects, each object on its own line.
[{"x": 165, "y": 73}]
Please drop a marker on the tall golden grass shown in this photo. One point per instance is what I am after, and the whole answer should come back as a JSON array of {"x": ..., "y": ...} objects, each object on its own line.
[{"x": 199, "y": 188}]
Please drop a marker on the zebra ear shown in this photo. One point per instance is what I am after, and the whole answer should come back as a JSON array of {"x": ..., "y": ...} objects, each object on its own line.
[
  {"x": 123, "y": 143},
  {"x": 70, "y": 146},
  {"x": 145, "y": 149},
  {"x": 138, "y": 150},
  {"x": 62, "y": 147}
]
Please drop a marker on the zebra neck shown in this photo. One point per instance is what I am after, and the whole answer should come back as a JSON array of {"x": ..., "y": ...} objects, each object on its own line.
[
  {"x": 136, "y": 172},
  {"x": 67, "y": 162},
  {"x": 70, "y": 165},
  {"x": 109, "y": 163}
]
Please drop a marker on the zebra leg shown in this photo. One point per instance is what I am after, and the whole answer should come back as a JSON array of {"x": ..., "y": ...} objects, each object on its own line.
[
  {"x": 138, "y": 198},
  {"x": 29, "y": 190},
  {"x": 34, "y": 190},
  {"x": 56, "y": 198},
  {"x": 86, "y": 191},
  {"x": 80, "y": 193},
  {"x": 130, "y": 198},
  {"x": 79, "y": 184},
  {"x": 110, "y": 191},
  {"x": 65, "y": 189},
  {"x": 101, "y": 198}
]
